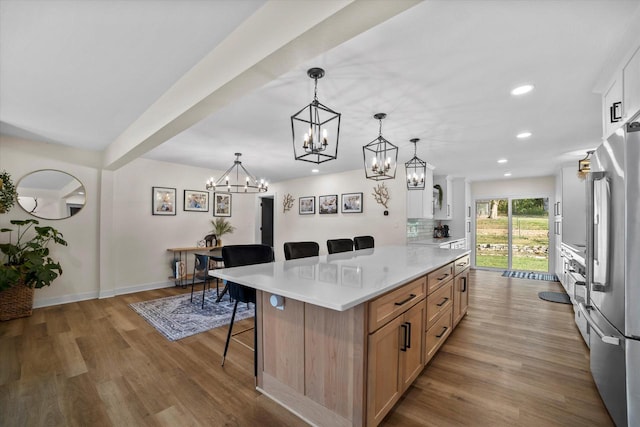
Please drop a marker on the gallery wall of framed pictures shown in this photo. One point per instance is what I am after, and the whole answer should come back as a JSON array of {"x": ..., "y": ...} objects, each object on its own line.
[
  {"x": 328, "y": 204},
  {"x": 164, "y": 202}
]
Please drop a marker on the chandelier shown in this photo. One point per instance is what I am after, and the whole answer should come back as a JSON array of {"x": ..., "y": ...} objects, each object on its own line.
[
  {"x": 237, "y": 179},
  {"x": 315, "y": 128},
  {"x": 380, "y": 156},
  {"x": 416, "y": 169}
]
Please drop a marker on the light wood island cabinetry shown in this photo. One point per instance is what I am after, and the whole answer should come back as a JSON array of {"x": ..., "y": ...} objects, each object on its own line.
[{"x": 349, "y": 364}]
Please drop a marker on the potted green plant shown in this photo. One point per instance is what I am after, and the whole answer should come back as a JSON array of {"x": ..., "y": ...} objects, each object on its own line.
[
  {"x": 7, "y": 192},
  {"x": 221, "y": 227},
  {"x": 26, "y": 265}
]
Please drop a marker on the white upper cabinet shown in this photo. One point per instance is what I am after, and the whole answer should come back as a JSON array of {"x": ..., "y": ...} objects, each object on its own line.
[
  {"x": 621, "y": 97},
  {"x": 612, "y": 107},
  {"x": 631, "y": 87},
  {"x": 444, "y": 210},
  {"x": 420, "y": 202}
]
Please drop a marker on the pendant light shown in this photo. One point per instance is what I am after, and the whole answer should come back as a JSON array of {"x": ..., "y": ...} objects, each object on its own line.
[
  {"x": 315, "y": 128},
  {"x": 380, "y": 156},
  {"x": 416, "y": 169},
  {"x": 237, "y": 179}
]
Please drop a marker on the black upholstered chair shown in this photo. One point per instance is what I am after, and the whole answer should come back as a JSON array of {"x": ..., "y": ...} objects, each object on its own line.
[
  {"x": 236, "y": 256},
  {"x": 335, "y": 246},
  {"x": 295, "y": 250},
  {"x": 363, "y": 242}
]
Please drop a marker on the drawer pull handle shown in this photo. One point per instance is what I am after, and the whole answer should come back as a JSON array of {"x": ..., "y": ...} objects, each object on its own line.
[
  {"x": 404, "y": 337},
  {"x": 443, "y": 302},
  {"x": 411, "y": 296},
  {"x": 444, "y": 329},
  {"x": 443, "y": 277},
  {"x": 462, "y": 264}
]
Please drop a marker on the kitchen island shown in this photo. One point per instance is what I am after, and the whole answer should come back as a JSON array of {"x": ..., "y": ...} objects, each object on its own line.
[{"x": 341, "y": 337}]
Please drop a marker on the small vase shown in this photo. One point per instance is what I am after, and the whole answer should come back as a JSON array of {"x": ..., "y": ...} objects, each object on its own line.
[{"x": 219, "y": 243}]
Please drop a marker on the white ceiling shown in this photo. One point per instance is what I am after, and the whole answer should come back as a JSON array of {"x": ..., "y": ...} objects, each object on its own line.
[{"x": 80, "y": 73}]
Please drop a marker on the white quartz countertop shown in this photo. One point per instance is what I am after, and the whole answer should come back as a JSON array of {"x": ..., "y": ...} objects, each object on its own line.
[
  {"x": 435, "y": 240},
  {"x": 342, "y": 281}
]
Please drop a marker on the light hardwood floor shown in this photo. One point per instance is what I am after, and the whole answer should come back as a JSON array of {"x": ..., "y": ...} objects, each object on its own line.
[{"x": 514, "y": 360}]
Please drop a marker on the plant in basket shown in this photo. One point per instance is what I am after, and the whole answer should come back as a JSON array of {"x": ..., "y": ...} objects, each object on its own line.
[{"x": 26, "y": 265}]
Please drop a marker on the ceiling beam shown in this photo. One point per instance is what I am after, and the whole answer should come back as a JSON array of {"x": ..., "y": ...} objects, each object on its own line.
[{"x": 279, "y": 36}]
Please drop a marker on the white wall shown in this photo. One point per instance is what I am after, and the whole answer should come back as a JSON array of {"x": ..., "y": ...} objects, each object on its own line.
[
  {"x": 387, "y": 230},
  {"x": 117, "y": 246},
  {"x": 141, "y": 240},
  {"x": 524, "y": 187},
  {"x": 80, "y": 259}
]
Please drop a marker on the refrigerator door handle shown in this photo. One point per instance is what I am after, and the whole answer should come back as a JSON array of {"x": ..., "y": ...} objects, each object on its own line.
[
  {"x": 599, "y": 194},
  {"x": 608, "y": 339}
]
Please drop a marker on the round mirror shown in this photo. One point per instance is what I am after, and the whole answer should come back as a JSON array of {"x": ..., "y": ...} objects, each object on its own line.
[{"x": 50, "y": 194}]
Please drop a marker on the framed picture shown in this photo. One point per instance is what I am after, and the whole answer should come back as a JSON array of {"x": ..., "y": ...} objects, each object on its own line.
[
  {"x": 196, "y": 201},
  {"x": 221, "y": 204},
  {"x": 307, "y": 205},
  {"x": 352, "y": 203},
  {"x": 164, "y": 201},
  {"x": 328, "y": 204}
]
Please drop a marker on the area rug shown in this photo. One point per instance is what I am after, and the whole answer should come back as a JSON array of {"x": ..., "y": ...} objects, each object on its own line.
[
  {"x": 555, "y": 297},
  {"x": 531, "y": 275},
  {"x": 176, "y": 317}
]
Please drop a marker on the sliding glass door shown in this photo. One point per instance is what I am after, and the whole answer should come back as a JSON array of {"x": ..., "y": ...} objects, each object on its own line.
[
  {"x": 492, "y": 233},
  {"x": 513, "y": 234},
  {"x": 530, "y": 234}
]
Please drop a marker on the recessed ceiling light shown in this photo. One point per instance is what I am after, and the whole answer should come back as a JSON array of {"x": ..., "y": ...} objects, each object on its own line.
[
  {"x": 523, "y": 135},
  {"x": 507, "y": 174},
  {"x": 521, "y": 90},
  {"x": 315, "y": 170},
  {"x": 502, "y": 161}
]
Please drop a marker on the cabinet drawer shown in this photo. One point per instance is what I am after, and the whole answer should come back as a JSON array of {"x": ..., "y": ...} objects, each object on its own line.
[
  {"x": 437, "y": 334},
  {"x": 439, "y": 277},
  {"x": 461, "y": 264},
  {"x": 388, "y": 306},
  {"x": 439, "y": 302}
]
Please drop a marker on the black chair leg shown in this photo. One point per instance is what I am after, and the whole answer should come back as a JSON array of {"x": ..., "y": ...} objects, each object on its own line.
[
  {"x": 226, "y": 345},
  {"x": 204, "y": 290}
]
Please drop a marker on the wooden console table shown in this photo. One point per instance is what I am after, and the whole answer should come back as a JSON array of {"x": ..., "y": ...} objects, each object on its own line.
[{"x": 180, "y": 255}]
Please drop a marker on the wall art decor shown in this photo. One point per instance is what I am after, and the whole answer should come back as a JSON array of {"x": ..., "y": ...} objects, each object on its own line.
[
  {"x": 307, "y": 205},
  {"x": 328, "y": 204},
  {"x": 196, "y": 201},
  {"x": 221, "y": 204},
  {"x": 382, "y": 196},
  {"x": 164, "y": 201},
  {"x": 351, "y": 203},
  {"x": 287, "y": 202}
]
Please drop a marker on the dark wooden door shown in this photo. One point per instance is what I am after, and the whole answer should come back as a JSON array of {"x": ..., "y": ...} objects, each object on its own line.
[{"x": 266, "y": 227}]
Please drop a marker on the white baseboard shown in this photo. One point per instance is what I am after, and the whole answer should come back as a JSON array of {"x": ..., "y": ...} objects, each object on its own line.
[{"x": 66, "y": 299}]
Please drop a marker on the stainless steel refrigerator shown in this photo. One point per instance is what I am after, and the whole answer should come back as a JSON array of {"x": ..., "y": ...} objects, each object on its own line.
[{"x": 613, "y": 273}]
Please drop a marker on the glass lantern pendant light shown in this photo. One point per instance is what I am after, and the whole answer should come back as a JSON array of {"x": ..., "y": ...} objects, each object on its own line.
[
  {"x": 380, "y": 156},
  {"x": 237, "y": 179},
  {"x": 416, "y": 169},
  {"x": 315, "y": 128}
]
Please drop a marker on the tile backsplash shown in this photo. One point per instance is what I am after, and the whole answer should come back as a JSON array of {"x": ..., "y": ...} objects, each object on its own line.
[{"x": 419, "y": 229}]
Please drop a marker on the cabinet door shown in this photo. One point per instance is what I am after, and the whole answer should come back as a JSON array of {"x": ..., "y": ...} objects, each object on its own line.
[
  {"x": 383, "y": 371},
  {"x": 446, "y": 210},
  {"x": 460, "y": 296},
  {"x": 631, "y": 86},
  {"x": 411, "y": 354}
]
